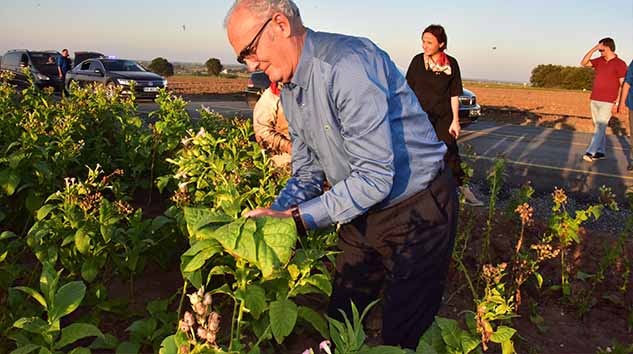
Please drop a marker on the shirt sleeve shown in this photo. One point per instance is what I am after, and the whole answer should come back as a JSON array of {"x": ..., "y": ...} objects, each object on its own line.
[
  {"x": 596, "y": 62},
  {"x": 412, "y": 72},
  {"x": 59, "y": 60},
  {"x": 359, "y": 92},
  {"x": 622, "y": 70},
  {"x": 307, "y": 176},
  {"x": 264, "y": 123},
  {"x": 456, "y": 88}
]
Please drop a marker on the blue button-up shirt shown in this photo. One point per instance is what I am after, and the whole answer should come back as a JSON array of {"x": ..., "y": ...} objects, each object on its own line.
[
  {"x": 629, "y": 79},
  {"x": 63, "y": 63},
  {"x": 354, "y": 120}
]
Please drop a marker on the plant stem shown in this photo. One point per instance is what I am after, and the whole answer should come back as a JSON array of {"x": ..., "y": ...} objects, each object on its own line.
[
  {"x": 233, "y": 319},
  {"x": 182, "y": 299},
  {"x": 461, "y": 266},
  {"x": 259, "y": 340}
]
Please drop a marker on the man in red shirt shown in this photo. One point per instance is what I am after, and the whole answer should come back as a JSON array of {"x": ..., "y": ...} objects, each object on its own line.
[{"x": 605, "y": 94}]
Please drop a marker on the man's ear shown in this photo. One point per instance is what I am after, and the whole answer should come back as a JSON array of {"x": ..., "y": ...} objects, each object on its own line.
[{"x": 282, "y": 25}]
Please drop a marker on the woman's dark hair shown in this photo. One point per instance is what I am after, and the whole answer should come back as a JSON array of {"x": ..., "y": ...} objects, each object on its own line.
[
  {"x": 608, "y": 42},
  {"x": 439, "y": 33}
]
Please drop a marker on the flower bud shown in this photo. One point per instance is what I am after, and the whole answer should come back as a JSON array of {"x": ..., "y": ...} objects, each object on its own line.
[
  {"x": 200, "y": 309},
  {"x": 202, "y": 333},
  {"x": 214, "y": 322},
  {"x": 189, "y": 319},
  {"x": 207, "y": 299},
  {"x": 184, "y": 326}
]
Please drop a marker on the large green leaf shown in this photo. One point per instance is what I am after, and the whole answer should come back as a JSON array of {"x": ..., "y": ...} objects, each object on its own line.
[
  {"x": 321, "y": 282},
  {"x": 90, "y": 269},
  {"x": 507, "y": 347},
  {"x": 25, "y": 349},
  {"x": 264, "y": 242},
  {"x": 198, "y": 254},
  {"x": 45, "y": 210},
  {"x": 67, "y": 299},
  {"x": 283, "y": 317},
  {"x": 9, "y": 181},
  {"x": 469, "y": 342},
  {"x": 32, "y": 324},
  {"x": 7, "y": 234},
  {"x": 75, "y": 332},
  {"x": 82, "y": 241},
  {"x": 255, "y": 300},
  {"x": 142, "y": 329},
  {"x": 48, "y": 281},
  {"x": 37, "y": 296},
  {"x": 450, "y": 332},
  {"x": 502, "y": 334},
  {"x": 203, "y": 218},
  {"x": 315, "y": 319},
  {"x": 169, "y": 346},
  {"x": 80, "y": 350},
  {"x": 128, "y": 348},
  {"x": 382, "y": 349},
  {"x": 433, "y": 338}
]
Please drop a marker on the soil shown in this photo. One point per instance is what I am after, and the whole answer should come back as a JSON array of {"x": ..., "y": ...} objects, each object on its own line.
[
  {"x": 206, "y": 85},
  {"x": 560, "y": 109},
  {"x": 564, "y": 325}
]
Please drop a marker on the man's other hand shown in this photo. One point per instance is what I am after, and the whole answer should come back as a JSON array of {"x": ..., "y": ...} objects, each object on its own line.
[{"x": 259, "y": 212}]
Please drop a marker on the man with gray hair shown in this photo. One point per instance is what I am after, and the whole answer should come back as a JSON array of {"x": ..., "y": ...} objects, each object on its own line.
[{"x": 354, "y": 121}]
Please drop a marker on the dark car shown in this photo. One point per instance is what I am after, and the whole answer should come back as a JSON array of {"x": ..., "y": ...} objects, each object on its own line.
[
  {"x": 117, "y": 72},
  {"x": 81, "y": 56},
  {"x": 469, "y": 110},
  {"x": 41, "y": 64}
]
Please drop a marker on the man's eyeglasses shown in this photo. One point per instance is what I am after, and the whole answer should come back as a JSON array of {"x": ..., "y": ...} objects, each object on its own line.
[{"x": 252, "y": 46}]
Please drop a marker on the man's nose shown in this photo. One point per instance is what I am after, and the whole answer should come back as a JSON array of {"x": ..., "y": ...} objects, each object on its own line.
[{"x": 252, "y": 65}]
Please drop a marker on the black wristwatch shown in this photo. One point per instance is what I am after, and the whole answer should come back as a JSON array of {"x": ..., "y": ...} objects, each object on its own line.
[{"x": 296, "y": 216}]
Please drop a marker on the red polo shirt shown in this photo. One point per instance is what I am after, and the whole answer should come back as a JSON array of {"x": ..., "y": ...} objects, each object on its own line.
[{"x": 606, "y": 83}]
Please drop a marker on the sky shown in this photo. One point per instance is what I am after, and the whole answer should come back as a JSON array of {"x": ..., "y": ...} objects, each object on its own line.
[{"x": 491, "y": 39}]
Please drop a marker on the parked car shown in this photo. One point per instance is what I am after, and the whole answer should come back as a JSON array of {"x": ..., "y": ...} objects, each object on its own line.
[
  {"x": 41, "y": 64},
  {"x": 117, "y": 72},
  {"x": 81, "y": 56},
  {"x": 469, "y": 110}
]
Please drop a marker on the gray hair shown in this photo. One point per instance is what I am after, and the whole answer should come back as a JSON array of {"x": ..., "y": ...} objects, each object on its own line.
[{"x": 265, "y": 8}]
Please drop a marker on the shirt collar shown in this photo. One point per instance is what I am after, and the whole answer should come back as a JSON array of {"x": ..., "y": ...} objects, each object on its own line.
[{"x": 304, "y": 68}]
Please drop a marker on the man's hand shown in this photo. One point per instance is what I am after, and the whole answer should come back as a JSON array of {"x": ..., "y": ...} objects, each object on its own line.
[
  {"x": 615, "y": 109},
  {"x": 455, "y": 129},
  {"x": 259, "y": 212}
]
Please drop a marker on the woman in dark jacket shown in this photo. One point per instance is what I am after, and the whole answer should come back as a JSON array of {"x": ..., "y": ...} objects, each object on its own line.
[{"x": 435, "y": 78}]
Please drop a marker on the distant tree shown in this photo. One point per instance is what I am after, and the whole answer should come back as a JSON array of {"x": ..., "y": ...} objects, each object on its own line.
[
  {"x": 566, "y": 77},
  {"x": 214, "y": 67},
  {"x": 161, "y": 66}
]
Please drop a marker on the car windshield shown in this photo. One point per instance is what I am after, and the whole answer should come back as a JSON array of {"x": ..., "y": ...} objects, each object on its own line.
[
  {"x": 121, "y": 65},
  {"x": 41, "y": 59}
]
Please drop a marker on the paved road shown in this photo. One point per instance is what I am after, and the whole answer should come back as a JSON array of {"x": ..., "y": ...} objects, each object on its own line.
[
  {"x": 227, "y": 107},
  {"x": 547, "y": 157}
]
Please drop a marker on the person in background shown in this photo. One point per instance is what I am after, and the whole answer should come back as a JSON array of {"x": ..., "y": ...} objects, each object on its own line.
[
  {"x": 605, "y": 94},
  {"x": 271, "y": 127},
  {"x": 436, "y": 80},
  {"x": 63, "y": 64},
  {"x": 626, "y": 100},
  {"x": 354, "y": 121}
]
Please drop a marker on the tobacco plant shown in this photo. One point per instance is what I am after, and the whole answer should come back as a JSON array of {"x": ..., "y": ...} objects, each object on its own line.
[
  {"x": 565, "y": 228},
  {"x": 48, "y": 335}
]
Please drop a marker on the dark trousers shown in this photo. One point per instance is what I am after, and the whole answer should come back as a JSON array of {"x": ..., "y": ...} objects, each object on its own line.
[
  {"x": 406, "y": 248},
  {"x": 452, "y": 158}
]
